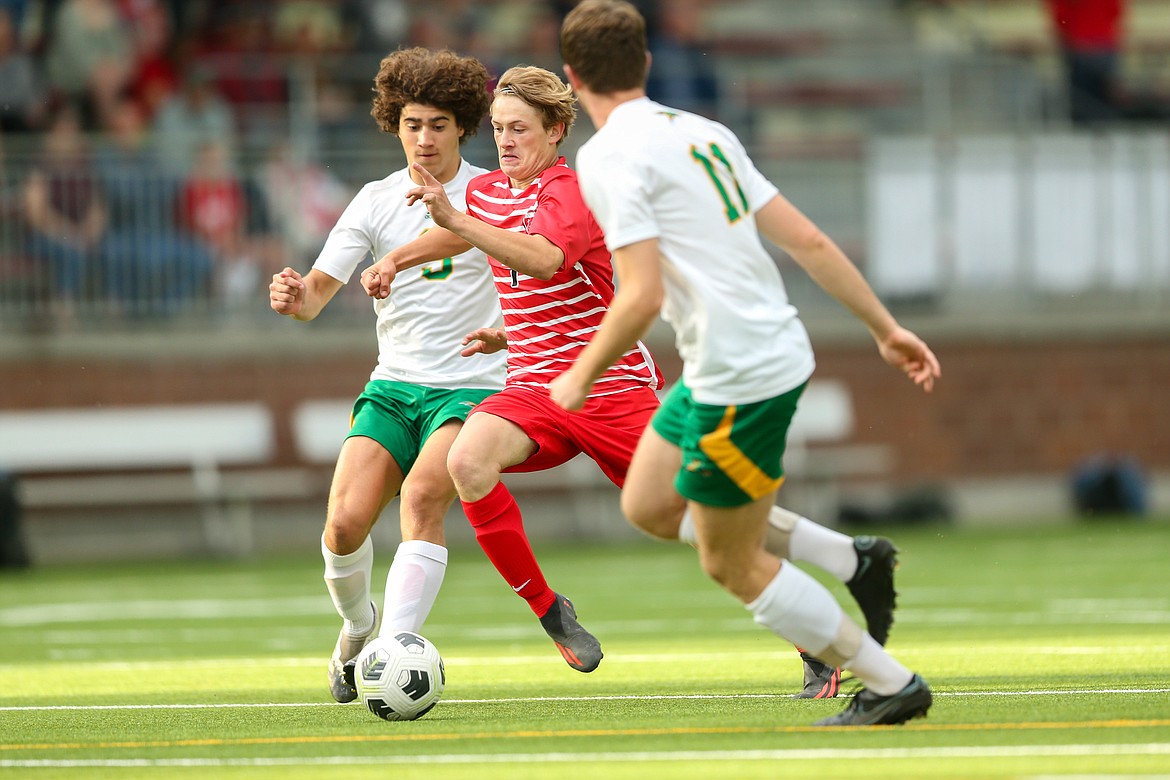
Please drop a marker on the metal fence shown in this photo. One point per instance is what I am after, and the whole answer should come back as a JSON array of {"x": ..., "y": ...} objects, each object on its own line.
[
  {"x": 108, "y": 231},
  {"x": 101, "y": 242},
  {"x": 92, "y": 235}
]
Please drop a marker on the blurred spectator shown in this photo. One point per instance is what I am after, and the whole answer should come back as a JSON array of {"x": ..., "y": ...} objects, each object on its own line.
[
  {"x": 540, "y": 45},
  {"x": 189, "y": 120},
  {"x": 222, "y": 210},
  {"x": 239, "y": 48},
  {"x": 154, "y": 77},
  {"x": 89, "y": 56},
  {"x": 147, "y": 264},
  {"x": 380, "y": 25},
  {"x": 16, "y": 10},
  {"x": 212, "y": 204},
  {"x": 249, "y": 73},
  {"x": 22, "y": 283},
  {"x": 306, "y": 200},
  {"x": 309, "y": 28},
  {"x": 336, "y": 110},
  {"x": 66, "y": 213},
  {"x": 681, "y": 72},
  {"x": 447, "y": 24},
  {"x": 22, "y": 99},
  {"x": 1089, "y": 33}
]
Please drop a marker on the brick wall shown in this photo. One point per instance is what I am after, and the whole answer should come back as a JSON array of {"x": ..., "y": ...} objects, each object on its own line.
[
  {"x": 1005, "y": 408},
  {"x": 1011, "y": 409}
]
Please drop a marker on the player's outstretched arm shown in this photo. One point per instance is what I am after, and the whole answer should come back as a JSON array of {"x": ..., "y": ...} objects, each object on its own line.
[
  {"x": 301, "y": 298},
  {"x": 784, "y": 225},
  {"x": 532, "y": 255},
  {"x": 435, "y": 244}
]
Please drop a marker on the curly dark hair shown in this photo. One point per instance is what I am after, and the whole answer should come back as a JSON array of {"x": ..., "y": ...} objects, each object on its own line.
[{"x": 442, "y": 79}]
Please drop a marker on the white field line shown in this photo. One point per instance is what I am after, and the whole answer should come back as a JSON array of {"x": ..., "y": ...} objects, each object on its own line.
[
  {"x": 672, "y": 756},
  {"x": 524, "y": 699},
  {"x": 779, "y": 655},
  {"x": 1054, "y": 611}
]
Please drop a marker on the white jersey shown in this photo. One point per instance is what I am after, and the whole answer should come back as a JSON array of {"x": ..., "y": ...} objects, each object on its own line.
[
  {"x": 654, "y": 172},
  {"x": 431, "y": 307}
]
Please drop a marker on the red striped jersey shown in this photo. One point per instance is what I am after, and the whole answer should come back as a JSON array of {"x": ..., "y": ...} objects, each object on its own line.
[{"x": 550, "y": 321}]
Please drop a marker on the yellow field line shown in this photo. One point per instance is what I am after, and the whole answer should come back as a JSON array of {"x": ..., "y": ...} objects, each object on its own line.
[{"x": 454, "y": 736}]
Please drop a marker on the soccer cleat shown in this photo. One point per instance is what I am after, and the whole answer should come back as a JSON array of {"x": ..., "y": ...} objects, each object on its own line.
[
  {"x": 821, "y": 681},
  {"x": 580, "y": 649},
  {"x": 341, "y": 664},
  {"x": 869, "y": 709},
  {"x": 873, "y": 584}
]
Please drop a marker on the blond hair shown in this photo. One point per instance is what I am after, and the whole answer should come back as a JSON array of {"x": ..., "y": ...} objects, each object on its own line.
[{"x": 543, "y": 90}]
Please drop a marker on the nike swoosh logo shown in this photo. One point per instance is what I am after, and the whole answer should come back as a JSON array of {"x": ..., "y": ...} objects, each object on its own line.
[
  {"x": 520, "y": 587},
  {"x": 862, "y": 568}
]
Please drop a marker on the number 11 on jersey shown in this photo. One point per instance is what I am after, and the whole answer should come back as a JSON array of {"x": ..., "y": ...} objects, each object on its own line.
[{"x": 719, "y": 172}]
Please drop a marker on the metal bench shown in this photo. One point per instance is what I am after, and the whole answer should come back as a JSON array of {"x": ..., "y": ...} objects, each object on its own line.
[
  {"x": 209, "y": 455},
  {"x": 818, "y": 456}
]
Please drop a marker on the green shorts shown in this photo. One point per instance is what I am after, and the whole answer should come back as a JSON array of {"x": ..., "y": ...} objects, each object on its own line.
[
  {"x": 401, "y": 416},
  {"x": 731, "y": 455}
]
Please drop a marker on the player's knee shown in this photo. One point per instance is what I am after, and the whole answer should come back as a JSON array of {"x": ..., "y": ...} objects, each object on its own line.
[
  {"x": 722, "y": 567},
  {"x": 713, "y": 567},
  {"x": 345, "y": 533},
  {"x": 423, "y": 509},
  {"x": 471, "y": 475},
  {"x": 658, "y": 518},
  {"x": 428, "y": 498}
]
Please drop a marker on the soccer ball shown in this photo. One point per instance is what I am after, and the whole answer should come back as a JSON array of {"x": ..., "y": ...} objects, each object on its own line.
[{"x": 399, "y": 677}]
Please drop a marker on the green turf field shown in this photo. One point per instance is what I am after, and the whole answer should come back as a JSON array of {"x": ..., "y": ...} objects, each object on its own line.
[{"x": 1048, "y": 649}]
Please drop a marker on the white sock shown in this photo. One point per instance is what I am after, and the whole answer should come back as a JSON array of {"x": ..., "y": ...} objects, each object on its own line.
[
  {"x": 879, "y": 670},
  {"x": 686, "y": 530},
  {"x": 823, "y": 547},
  {"x": 412, "y": 585},
  {"x": 798, "y": 608},
  {"x": 348, "y": 579}
]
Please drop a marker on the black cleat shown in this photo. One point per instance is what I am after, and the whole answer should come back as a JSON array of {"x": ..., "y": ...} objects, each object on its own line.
[
  {"x": 873, "y": 584},
  {"x": 821, "y": 681},
  {"x": 869, "y": 709},
  {"x": 580, "y": 649}
]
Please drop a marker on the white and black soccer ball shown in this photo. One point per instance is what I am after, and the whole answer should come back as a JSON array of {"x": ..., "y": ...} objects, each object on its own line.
[{"x": 399, "y": 676}]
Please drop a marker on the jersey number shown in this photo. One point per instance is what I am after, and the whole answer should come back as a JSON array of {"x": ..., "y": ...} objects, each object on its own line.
[
  {"x": 718, "y": 173},
  {"x": 442, "y": 272}
]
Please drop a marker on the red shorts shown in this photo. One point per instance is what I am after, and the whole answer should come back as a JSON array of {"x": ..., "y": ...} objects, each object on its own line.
[{"x": 607, "y": 429}]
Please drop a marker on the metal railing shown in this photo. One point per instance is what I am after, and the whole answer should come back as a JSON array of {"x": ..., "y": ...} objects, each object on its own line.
[{"x": 168, "y": 247}]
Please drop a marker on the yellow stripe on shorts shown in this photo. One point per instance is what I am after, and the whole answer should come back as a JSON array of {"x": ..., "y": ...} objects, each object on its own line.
[{"x": 746, "y": 475}]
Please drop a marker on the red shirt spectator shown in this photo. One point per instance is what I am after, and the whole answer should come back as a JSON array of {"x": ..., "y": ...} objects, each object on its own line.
[
  {"x": 1088, "y": 24},
  {"x": 213, "y": 205}
]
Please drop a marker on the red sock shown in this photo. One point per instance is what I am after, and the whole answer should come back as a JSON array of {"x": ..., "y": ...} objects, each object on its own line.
[{"x": 499, "y": 529}]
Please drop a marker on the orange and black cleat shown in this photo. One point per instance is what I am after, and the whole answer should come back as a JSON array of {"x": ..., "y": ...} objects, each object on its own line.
[
  {"x": 821, "y": 681},
  {"x": 580, "y": 649}
]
